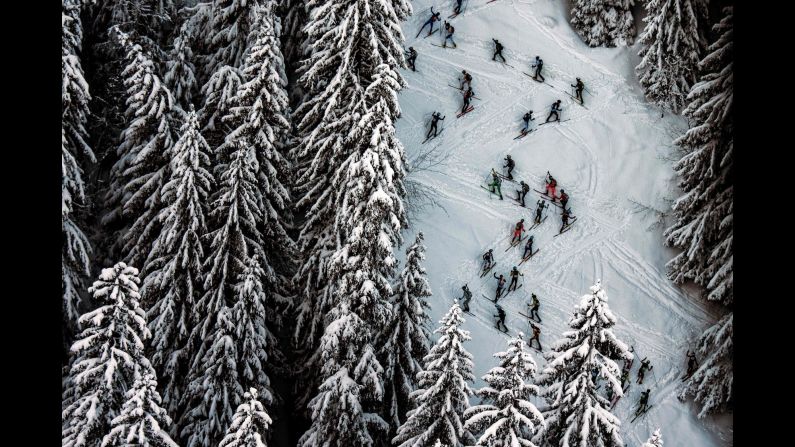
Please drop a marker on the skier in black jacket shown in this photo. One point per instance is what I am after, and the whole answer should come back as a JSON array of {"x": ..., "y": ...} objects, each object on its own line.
[
  {"x": 411, "y": 58},
  {"x": 501, "y": 318},
  {"x": 533, "y": 306},
  {"x": 579, "y": 86},
  {"x": 514, "y": 278},
  {"x": 540, "y": 205},
  {"x": 554, "y": 110},
  {"x": 526, "y": 119},
  {"x": 488, "y": 259},
  {"x": 449, "y": 36},
  {"x": 467, "y": 98},
  {"x": 510, "y": 165},
  {"x": 467, "y": 296},
  {"x": 520, "y": 194},
  {"x": 497, "y": 50},
  {"x": 644, "y": 402},
  {"x": 457, "y": 9},
  {"x": 435, "y": 117},
  {"x": 500, "y": 285},
  {"x": 466, "y": 81},
  {"x": 528, "y": 247},
  {"x": 538, "y": 64}
]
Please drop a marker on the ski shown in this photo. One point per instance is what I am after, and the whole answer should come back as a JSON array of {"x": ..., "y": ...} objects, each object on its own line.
[
  {"x": 490, "y": 1},
  {"x": 523, "y": 134},
  {"x": 534, "y": 78},
  {"x": 490, "y": 191},
  {"x": 493, "y": 301},
  {"x": 453, "y": 15},
  {"x": 504, "y": 63},
  {"x": 576, "y": 100},
  {"x": 514, "y": 290},
  {"x": 442, "y": 46},
  {"x": 549, "y": 199},
  {"x": 469, "y": 109},
  {"x": 431, "y": 138},
  {"x": 556, "y": 121},
  {"x": 498, "y": 328},
  {"x": 454, "y": 87},
  {"x": 568, "y": 227},
  {"x": 434, "y": 32},
  {"x": 537, "y": 224},
  {"x": 530, "y": 318},
  {"x": 519, "y": 202},
  {"x": 637, "y": 415},
  {"x": 529, "y": 256},
  {"x": 514, "y": 244},
  {"x": 505, "y": 177},
  {"x": 486, "y": 272}
]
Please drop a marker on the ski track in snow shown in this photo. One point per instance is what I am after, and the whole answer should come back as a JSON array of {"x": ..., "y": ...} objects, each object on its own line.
[{"x": 602, "y": 156}]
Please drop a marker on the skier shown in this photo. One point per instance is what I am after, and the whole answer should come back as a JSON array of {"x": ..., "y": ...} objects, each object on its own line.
[
  {"x": 538, "y": 64},
  {"x": 540, "y": 205},
  {"x": 468, "y": 94},
  {"x": 510, "y": 165},
  {"x": 495, "y": 183},
  {"x": 644, "y": 402},
  {"x": 527, "y": 118},
  {"x": 501, "y": 317},
  {"x": 536, "y": 333},
  {"x": 554, "y": 110},
  {"x": 564, "y": 198},
  {"x": 488, "y": 259},
  {"x": 449, "y": 30},
  {"x": 435, "y": 117},
  {"x": 497, "y": 50},
  {"x": 624, "y": 377},
  {"x": 467, "y": 80},
  {"x": 565, "y": 218},
  {"x": 644, "y": 366},
  {"x": 411, "y": 58},
  {"x": 435, "y": 17},
  {"x": 457, "y": 9},
  {"x": 551, "y": 185},
  {"x": 578, "y": 89},
  {"x": 692, "y": 363},
  {"x": 517, "y": 231},
  {"x": 514, "y": 278},
  {"x": 467, "y": 296},
  {"x": 520, "y": 194},
  {"x": 528, "y": 247},
  {"x": 534, "y": 305},
  {"x": 500, "y": 285}
]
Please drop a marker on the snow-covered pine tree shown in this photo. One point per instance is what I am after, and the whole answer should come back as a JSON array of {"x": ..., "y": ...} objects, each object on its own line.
[
  {"x": 606, "y": 23},
  {"x": 250, "y": 424},
  {"x": 509, "y": 418},
  {"x": 704, "y": 213},
  {"x": 352, "y": 49},
  {"x": 230, "y": 26},
  {"x": 174, "y": 275},
  {"x": 142, "y": 168},
  {"x": 142, "y": 421},
  {"x": 256, "y": 343},
  {"x": 712, "y": 385},
  {"x": 443, "y": 396},
  {"x": 214, "y": 392},
  {"x": 577, "y": 414},
  {"x": 655, "y": 440},
  {"x": 215, "y": 387},
  {"x": 218, "y": 93},
  {"x": 671, "y": 48},
  {"x": 258, "y": 117},
  {"x": 407, "y": 340},
  {"x": 75, "y": 263},
  {"x": 180, "y": 74},
  {"x": 108, "y": 356}
]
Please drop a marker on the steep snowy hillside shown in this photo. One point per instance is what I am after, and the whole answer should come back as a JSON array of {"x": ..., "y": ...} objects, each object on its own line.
[{"x": 609, "y": 157}]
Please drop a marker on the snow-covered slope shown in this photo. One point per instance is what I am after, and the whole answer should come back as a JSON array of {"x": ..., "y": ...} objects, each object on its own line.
[{"x": 608, "y": 157}]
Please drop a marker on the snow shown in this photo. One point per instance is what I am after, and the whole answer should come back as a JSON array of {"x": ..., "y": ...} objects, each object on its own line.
[{"x": 608, "y": 157}]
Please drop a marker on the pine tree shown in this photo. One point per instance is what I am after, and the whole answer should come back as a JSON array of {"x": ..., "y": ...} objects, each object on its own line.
[
  {"x": 671, "y": 48},
  {"x": 180, "y": 74},
  {"x": 142, "y": 421},
  {"x": 712, "y": 385},
  {"x": 107, "y": 356},
  {"x": 606, "y": 23},
  {"x": 258, "y": 117},
  {"x": 655, "y": 440},
  {"x": 577, "y": 414},
  {"x": 443, "y": 396},
  {"x": 173, "y": 281},
  {"x": 510, "y": 418},
  {"x": 407, "y": 338},
  {"x": 256, "y": 344},
  {"x": 218, "y": 93},
  {"x": 76, "y": 249},
  {"x": 215, "y": 391},
  {"x": 249, "y": 425},
  {"x": 142, "y": 168},
  {"x": 704, "y": 213},
  {"x": 230, "y": 25}
]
